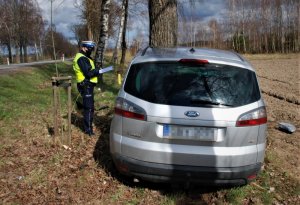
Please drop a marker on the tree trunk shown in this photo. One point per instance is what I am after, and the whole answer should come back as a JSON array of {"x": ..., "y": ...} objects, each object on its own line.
[
  {"x": 243, "y": 28},
  {"x": 99, "y": 58},
  {"x": 103, "y": 33},
  {"x": 41, "y": 50},
  {"x": 25, "y": 53},
  {"x": 9, "y": 52},
  {"x": 163, "y": 23},
  {"x": 124, "y": 46},
  {"x": 121, "y": 28},
  {"x": 89, "y": 5},
  {"x": 21, "y": 54},
  {"x": 17, "y": 54},
  {"x": 36, "y": 52},
  {"x": 296, "y": 41}
]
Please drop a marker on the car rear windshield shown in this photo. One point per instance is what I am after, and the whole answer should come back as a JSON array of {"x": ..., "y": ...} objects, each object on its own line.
[{"x": 174, "y": 83}]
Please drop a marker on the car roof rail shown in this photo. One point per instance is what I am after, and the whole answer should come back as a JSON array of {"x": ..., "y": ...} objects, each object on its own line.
[{"x": 238, "y": 55}]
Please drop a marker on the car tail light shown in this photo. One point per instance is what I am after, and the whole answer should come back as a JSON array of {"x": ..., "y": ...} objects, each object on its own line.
[
  {"x": 122, "y": 167},
  {"x": 128, "y": 109},
  {"x": 252, "y": 118},
  {"x": 193, "y": 61}
]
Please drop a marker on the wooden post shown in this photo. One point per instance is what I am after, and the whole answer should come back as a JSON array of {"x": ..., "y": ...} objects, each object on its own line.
[
  {"x": 69, "y": 110},
  {"x": 56, "y": 83},
  {"x": 55, "y": 108}
]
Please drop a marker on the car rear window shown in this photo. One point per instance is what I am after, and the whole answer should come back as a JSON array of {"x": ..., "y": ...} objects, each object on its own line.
[{"x": 174, "y": 83}]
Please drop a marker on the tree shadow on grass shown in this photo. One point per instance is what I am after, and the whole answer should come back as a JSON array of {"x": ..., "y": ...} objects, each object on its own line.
[{"x": 77, "y": 120}]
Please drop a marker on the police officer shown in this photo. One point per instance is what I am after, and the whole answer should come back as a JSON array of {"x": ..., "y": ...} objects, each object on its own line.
[{"x": 86, "y": 77}]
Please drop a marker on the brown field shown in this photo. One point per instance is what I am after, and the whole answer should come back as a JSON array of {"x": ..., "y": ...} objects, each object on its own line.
[
  {"x": 279, "y": 77},
  {"x": 34, "y": 170}
]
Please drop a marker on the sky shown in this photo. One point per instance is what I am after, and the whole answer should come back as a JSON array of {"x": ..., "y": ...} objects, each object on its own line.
[
  {"x": 65, "y": 13},
  {"x": 203, "y": 9}
]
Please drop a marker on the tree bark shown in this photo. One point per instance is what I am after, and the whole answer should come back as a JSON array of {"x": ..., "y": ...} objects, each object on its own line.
[
  {"x": 121, "y": 28},
  {"x": 99, "y": 58},
  {"x": 124, "y": 46},
  {"x": 163, "y": 23},
  {"x": 103, "y": 33}
]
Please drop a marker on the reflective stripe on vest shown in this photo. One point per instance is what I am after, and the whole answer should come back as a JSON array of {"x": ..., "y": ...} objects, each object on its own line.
[{"x": 79, "y": 74}]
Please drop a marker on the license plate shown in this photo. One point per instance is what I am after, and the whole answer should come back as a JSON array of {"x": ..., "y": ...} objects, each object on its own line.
[{"x": 191, "y": 133}]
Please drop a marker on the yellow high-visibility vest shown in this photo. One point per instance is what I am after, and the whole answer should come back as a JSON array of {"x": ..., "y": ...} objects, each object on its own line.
[{"x": 78, "y": 71}]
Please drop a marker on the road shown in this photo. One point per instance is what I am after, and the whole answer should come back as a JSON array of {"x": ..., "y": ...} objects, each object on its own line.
[{"x": 14, "y": 67}]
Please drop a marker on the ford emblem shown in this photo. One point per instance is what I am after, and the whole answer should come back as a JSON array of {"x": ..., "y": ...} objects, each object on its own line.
[{"x": 192, "y": 113}]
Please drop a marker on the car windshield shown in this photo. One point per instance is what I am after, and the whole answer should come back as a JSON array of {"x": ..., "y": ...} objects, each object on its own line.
[{"x": 174, "y": 83}]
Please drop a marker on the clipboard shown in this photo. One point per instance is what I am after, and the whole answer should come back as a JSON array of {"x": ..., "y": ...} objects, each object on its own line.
[{"x": 104, "y": 70}]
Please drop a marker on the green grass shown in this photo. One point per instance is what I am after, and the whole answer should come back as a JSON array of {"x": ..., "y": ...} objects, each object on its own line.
[
  {"x": 236, "y": 195},
  {"x": 26, "y": 93},
  {"x": 118, "y": 194}
]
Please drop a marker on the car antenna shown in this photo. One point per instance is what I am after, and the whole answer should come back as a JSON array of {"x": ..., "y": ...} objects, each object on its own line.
[{"x": 192, "y": 50}]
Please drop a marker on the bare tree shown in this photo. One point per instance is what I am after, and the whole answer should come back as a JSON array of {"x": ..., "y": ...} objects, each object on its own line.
[
  {"x": 92, "y": 10},
  {"x": 213, "y": 24},
  {"x": 120, "y": 33},
  {"x": 19, "y": 31},
  {"x": 7, "y": 31},
  {"x": 80, "y": 32}
]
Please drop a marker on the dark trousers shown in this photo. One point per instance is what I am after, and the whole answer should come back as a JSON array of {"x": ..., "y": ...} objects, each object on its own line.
[{"x": 87, "y": 93}]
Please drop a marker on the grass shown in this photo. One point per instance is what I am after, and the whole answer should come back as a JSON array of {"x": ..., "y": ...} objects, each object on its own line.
[
  {"x": 36, "y": 177},
  {"x": 57, "y": 159},
  {"x": 30, "y": 92},
  {"x": 235, "y": 195}
]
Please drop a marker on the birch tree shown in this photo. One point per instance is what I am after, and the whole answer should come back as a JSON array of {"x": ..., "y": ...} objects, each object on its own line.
[
  {"x": 99, "y": 58},
  {"x": 103, "y": 36}
]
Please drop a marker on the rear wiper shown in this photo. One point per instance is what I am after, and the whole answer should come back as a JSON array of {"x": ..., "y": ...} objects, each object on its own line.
[{"x": 198, "y": 101}]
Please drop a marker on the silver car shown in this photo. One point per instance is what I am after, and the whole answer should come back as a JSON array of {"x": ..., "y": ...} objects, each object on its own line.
[{"x": 191, "y": 115}]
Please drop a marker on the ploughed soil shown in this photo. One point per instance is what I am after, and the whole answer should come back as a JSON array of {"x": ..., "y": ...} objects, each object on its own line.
[{"x": 40, "y": 169}]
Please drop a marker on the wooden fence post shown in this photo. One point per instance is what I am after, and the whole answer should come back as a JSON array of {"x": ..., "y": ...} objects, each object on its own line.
[
  {"x": 69, "y": 110},
  {"x": 65, "y": 82},
  {"x": 55, "y": 108}
]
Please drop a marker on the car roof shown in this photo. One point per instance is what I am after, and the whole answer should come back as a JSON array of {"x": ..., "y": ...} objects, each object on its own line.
[{"x": 174, "y": 54}]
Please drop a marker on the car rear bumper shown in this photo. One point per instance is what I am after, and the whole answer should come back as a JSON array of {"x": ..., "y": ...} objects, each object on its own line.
[{"x": 181, "y": 173}]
